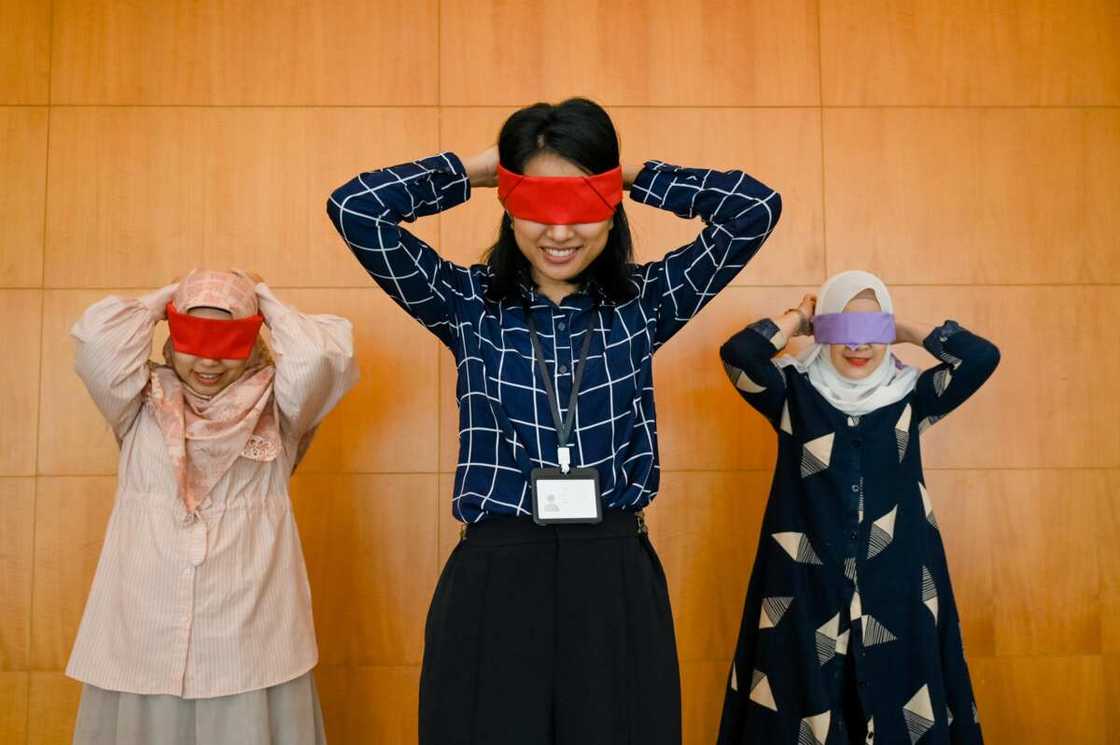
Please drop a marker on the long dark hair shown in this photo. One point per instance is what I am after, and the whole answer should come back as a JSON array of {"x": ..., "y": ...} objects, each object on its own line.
[{"x": 578, "y": 130}]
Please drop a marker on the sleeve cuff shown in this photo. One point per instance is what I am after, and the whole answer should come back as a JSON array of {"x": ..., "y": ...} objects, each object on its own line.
[
  {"x": 769, "y": 330},
  {"x": 935, "y": 342}
]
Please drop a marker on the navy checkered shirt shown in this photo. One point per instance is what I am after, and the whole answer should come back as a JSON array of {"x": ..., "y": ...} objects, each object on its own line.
[{"x": 505, "y": 426}]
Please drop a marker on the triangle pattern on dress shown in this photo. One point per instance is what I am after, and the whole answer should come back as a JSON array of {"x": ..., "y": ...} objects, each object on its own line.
[
  {"x": 734, "y": 677},
  {"x": 918, "y": 713},
  {"x": 882, "y": 533},
  {"x": 927, "y": 504},
  {"x": 842, "y": 642},
  {"x": 941, "y": 380},
  {"x": 826, "y": 639},
  {"x": 928, "y": 422},
  {"x": 773, "y": 609},
  {"x": 816, "y": 455},
  {"x": 875, "y": 633},
  {"x": 850, "y": 568},
  {"x": 870, "y": 739},
  {"x": 814, "y": 729},
  {"x": 929, "y": 593},
  {"x": 855, "y": 610},
  {"x": 745, "y": 384},
  {"x": 787, "y": 423},
  {"x": 761, "y": 693},
  {"x": 797, "y": 546},
  {"x": 902, "y": 432}
]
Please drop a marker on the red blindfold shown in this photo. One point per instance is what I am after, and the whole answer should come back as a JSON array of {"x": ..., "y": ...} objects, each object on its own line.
[
  {"x": 560, "y": 200},
  {"x": 213, "y": 338}
]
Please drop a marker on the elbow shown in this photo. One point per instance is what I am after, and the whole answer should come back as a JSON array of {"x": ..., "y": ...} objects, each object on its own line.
[
  {"x": 775, "y": 203},
  {"x": 991, "y": 359}
]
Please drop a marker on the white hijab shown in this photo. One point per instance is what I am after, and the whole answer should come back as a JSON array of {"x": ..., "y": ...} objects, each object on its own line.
[{"x": 890, "y": 382}]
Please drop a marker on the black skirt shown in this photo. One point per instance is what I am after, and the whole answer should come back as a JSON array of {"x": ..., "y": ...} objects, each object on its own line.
[{"x": 551, "y": 636}]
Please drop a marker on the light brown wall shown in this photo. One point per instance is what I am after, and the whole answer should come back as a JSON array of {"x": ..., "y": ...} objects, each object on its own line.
[{"x": 967, "y": 151}]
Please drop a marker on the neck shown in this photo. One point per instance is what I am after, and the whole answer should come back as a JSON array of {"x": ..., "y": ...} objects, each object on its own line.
[{"x": 553, "y": 289}]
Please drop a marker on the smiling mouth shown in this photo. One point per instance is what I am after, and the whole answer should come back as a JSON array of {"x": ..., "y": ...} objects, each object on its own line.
[
  {"x": 206, "y": 379},
  {"x": 857, "y": 361},
  {"x": 559, "y": 255}
]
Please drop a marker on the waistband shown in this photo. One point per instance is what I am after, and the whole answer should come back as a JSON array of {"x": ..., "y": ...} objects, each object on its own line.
[{"x": 505, "y": 531}]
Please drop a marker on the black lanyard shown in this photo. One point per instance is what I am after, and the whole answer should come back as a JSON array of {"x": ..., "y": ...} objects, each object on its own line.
[{"x": 563, "y": 427}]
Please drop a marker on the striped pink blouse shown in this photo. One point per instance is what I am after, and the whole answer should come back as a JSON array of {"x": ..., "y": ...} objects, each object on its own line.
[{"x": 214, "y": 602}]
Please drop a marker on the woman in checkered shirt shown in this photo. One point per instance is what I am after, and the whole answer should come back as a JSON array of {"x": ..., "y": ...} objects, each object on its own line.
[{"x": 554, "y": 633}]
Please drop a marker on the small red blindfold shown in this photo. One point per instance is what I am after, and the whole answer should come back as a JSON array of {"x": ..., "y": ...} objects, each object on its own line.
[
  {"x": 213, "y": 338},
  {"x": 561, "y": 200}
]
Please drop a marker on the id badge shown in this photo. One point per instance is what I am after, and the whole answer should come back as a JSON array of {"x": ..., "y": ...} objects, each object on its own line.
[{"x": 571, "y": 497}]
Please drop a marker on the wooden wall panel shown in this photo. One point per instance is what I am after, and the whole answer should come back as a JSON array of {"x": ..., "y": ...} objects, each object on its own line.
[
  {"x": 387, "y": 423},
  {"x": 19, "y": 377},
  {"x": 175, "y": 188},
  {"x": 53, "y": 704},
  {"x": 962, "y": 504},
  {"x": 371, "y": 545},
  {"x": 23, "y": 149},
  {"x": 780, "y": 147},
  {"x": 1041, "y": 699},
  {"x": 958, "y": 53},
  {"x": 1034, "y": 412},
  {"x": 25, "y": 49},
  {"x": 646, "y": 53},
  {"x": 1012, "y": 196},
  {"x": 1045, "y": 575},
  {"x": 74, "y": 438},
  {"x": 269, "y": 173},
  {"x": 1108, "y": 555},
  {"x": 328, "y": 52},
  {"x": 124, "y": 199},
  {"x": 70, "y": 519},
  {"x": 705, "y": 528},
  {"x": 703, "y": 423},
  {"x": 17, "y": 535},
  {"x": 703, "y": 684},
  {"x": 369, "y": 704},
  {"x": 1111, "y": 691},
  {"x": 13, "y": 706}
]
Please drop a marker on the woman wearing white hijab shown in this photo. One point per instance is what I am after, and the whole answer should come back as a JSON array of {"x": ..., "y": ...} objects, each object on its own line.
[{"x": 850, "y": 633}]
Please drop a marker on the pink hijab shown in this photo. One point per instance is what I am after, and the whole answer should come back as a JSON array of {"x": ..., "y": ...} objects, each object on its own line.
[{"x": 206, "y": 434}]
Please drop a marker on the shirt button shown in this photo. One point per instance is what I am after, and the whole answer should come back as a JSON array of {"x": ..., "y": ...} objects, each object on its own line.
[
  {"x": 563, "y": 369},
  {"x": 561, "y": 325},
  {"x": 855, "y": 487},
  {"x": 853, "y": 421}
]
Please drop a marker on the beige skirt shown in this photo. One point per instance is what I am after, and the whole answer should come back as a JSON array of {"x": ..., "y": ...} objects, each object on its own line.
[{"x": 285, "y": 714}]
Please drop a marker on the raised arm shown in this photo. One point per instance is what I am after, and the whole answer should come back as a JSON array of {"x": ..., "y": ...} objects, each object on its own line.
[
  {"x": 113, "y": 342},
  {"x": 967, "y": 361},
  {"x": 739, "y": 214},
  {"x": 748, "y": 358},
  {"x": 315, "y": 364},
  {"x": 367, "y": 212}
]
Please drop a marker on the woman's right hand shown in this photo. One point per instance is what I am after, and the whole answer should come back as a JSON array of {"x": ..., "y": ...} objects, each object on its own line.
[
  {"x": 791, "y": 322},
  {"x": 482, "y": 169}
]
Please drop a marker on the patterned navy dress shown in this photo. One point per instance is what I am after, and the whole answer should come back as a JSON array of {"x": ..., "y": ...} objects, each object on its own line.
[{"x": 850, "y": 632}]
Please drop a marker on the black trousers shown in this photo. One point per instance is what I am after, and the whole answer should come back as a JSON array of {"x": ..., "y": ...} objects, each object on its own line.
[{"x": 557, "y": 635}]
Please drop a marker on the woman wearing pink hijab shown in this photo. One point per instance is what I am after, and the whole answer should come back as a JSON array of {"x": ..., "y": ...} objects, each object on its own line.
[{"x": 198, "y": 627}]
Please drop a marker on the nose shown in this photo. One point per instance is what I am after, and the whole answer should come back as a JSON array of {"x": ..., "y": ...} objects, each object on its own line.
[{"x": 559, "y": 233}]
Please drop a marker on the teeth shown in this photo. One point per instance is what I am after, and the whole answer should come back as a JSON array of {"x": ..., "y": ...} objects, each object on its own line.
[{"x": 560, "y": 252}]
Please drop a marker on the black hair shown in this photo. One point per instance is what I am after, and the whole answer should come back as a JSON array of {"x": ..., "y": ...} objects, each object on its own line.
[{"x": 581, "y": 131}]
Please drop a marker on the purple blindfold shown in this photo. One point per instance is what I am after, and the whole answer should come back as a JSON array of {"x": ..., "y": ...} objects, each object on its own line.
[{"x": 854, "y": 328}]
